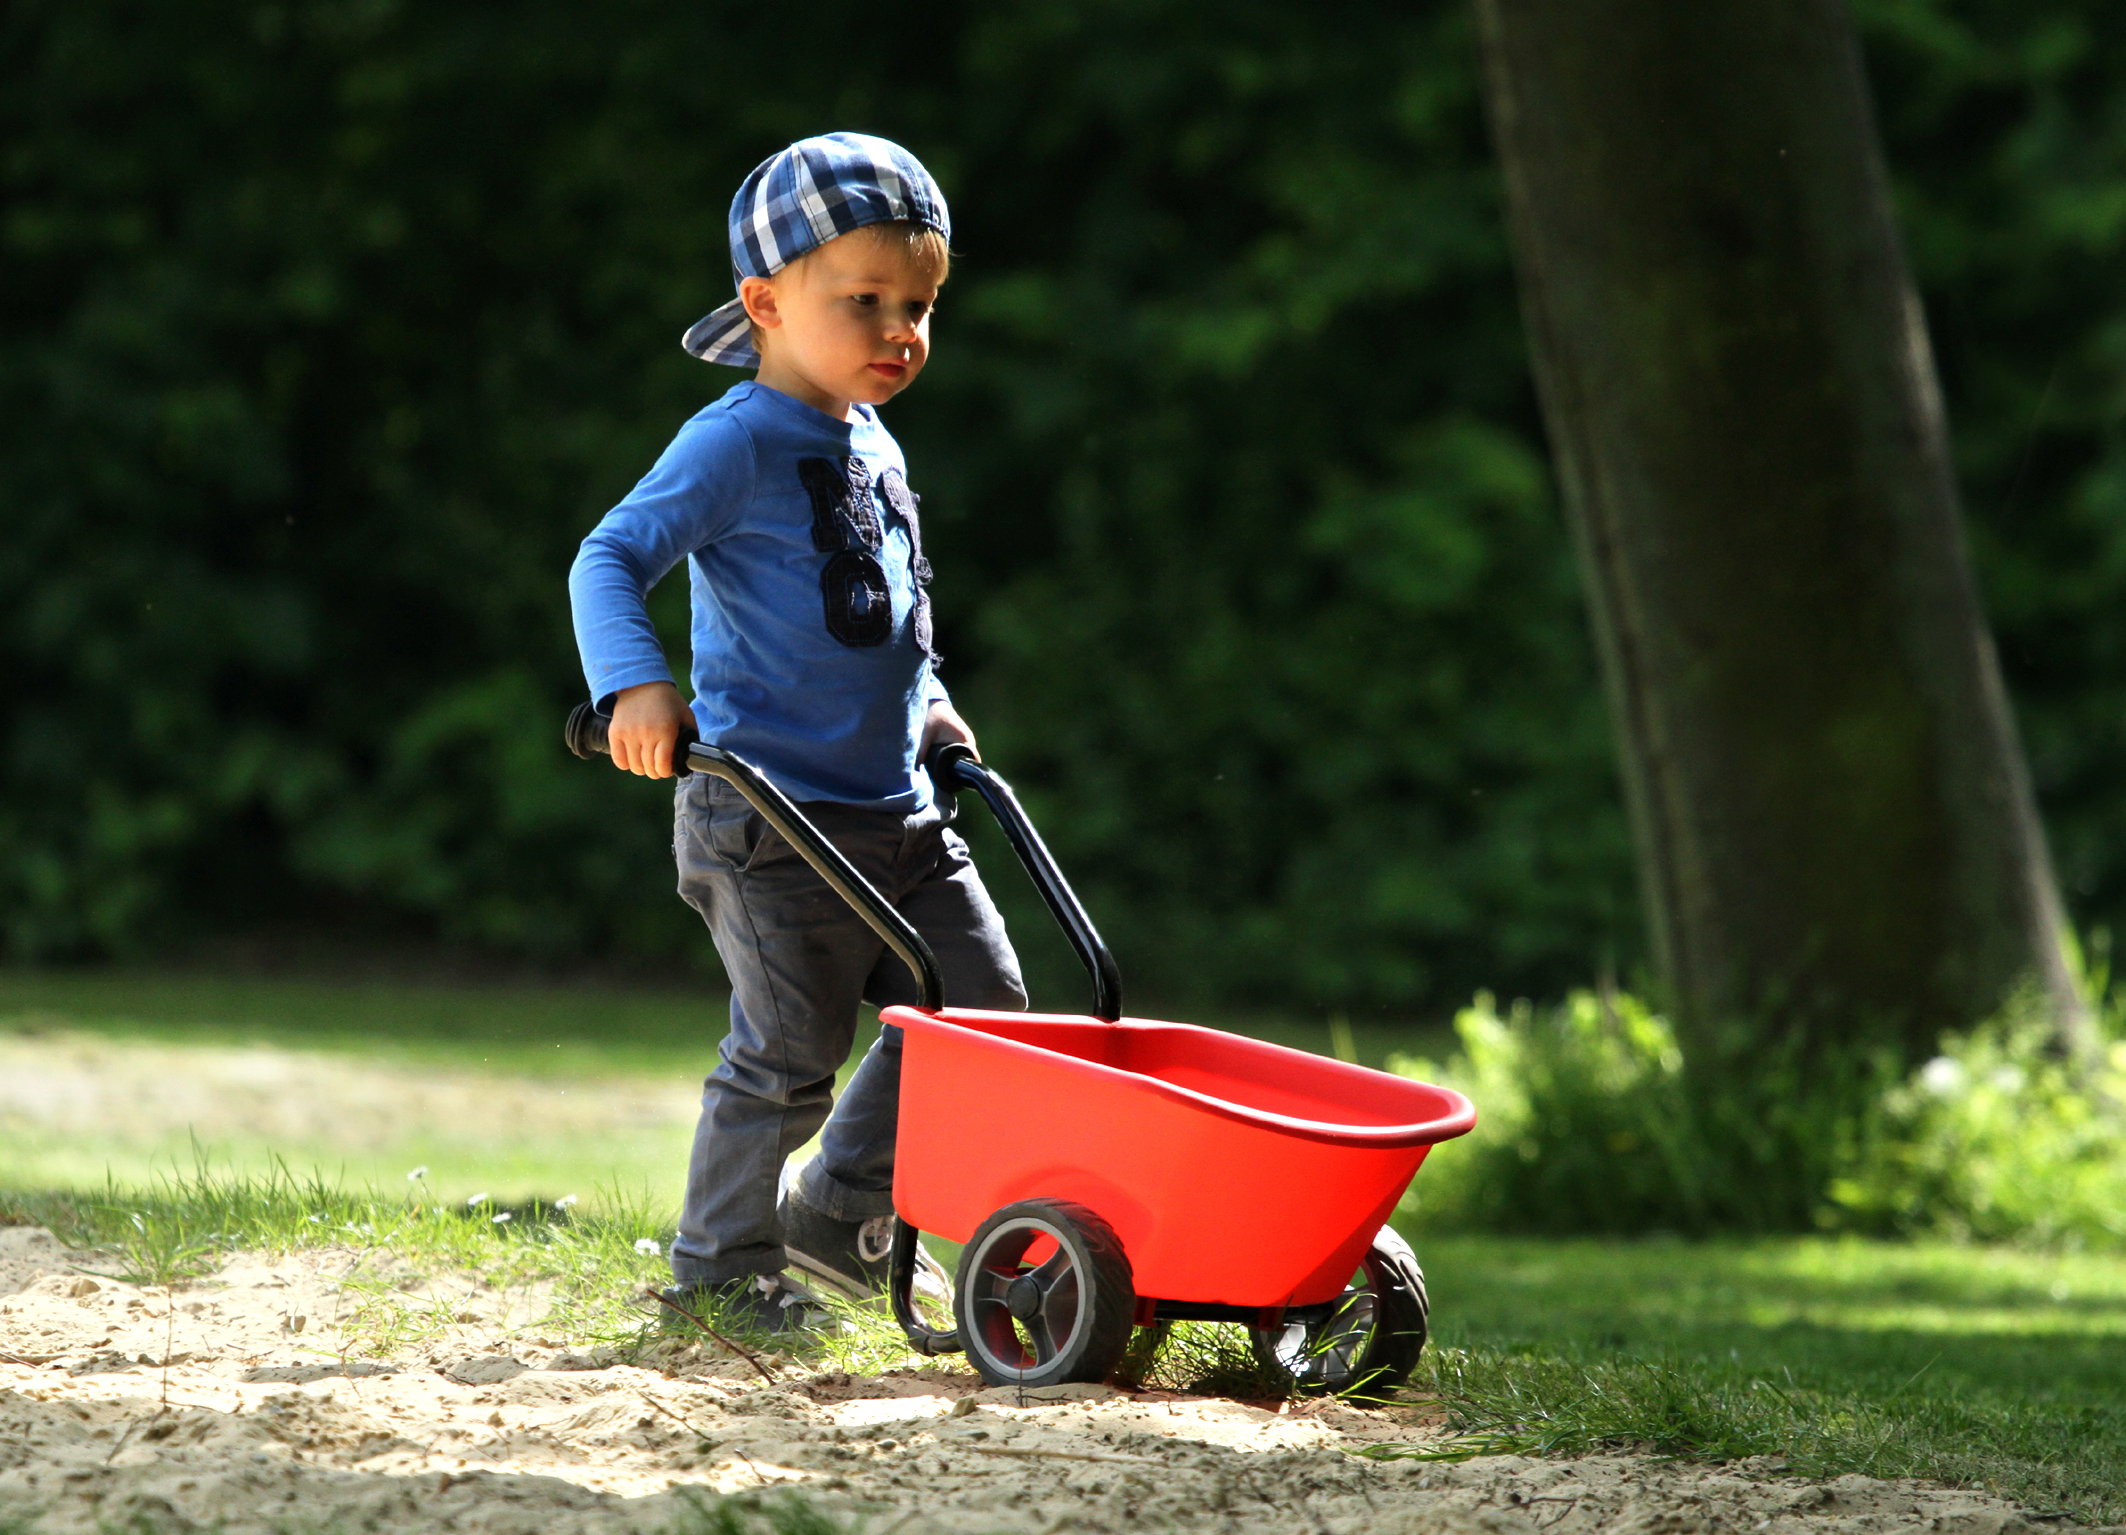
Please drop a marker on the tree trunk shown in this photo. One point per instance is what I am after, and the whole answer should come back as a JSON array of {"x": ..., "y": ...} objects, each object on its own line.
[{"x": 1835, "y": 827}]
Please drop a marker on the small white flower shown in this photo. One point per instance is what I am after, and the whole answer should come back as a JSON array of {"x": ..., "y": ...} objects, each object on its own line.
[
  {"x": 497, "y": 1220},
  {"x": 649, "y": 1247},
  {"x": 317, "y": 1220},
  {"x": 477, "y": 1199},
  {"x": 1942, "y": 1076},
  {"x": 418, "y": 1173},
  {"x": 564, "y": 1201}
]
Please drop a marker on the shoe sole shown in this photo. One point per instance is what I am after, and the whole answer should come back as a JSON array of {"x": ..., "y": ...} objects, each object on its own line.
[{"x": 863, "y": 1291}]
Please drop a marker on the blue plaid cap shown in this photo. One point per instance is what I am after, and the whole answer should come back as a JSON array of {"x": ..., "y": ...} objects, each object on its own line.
[{"x": 794, "y": 202}]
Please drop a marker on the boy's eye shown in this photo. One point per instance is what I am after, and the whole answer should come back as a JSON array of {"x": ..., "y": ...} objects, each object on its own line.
[{"x": 867, "y": 300}]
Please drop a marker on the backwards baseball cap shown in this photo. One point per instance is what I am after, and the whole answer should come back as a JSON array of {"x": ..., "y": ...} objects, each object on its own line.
[{"x": 794, "y": 202}]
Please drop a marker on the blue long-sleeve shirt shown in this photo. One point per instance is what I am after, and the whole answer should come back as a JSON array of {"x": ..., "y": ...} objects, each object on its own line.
[{"x": 812, "y": 652}]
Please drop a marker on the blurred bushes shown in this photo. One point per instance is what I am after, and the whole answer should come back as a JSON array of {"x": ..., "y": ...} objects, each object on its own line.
[
  {"x": 1589, "y": 1119},
  {"x": 1997, "y": 1139},
  {"x": 330, "y": 327}
]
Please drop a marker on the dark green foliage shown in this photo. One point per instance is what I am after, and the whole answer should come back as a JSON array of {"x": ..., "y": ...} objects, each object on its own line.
[
  {"x": 326, "y": 329},
  {"x": 2007, "y": 129},
  {"x": 1592, "y": 1120}
]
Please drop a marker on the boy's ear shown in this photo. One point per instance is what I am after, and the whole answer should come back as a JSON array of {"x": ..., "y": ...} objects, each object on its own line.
[{"x": 758, "y": 295}]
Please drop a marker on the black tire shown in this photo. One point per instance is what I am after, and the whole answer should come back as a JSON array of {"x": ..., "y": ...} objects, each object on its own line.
[
  {"x": 1067, "y": 1319},
  {"x": 1370, "y": 1343}
]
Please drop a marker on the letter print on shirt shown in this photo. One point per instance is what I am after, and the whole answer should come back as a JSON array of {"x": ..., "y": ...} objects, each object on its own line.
[
  {"x": 845, "y": 527},
  {"x": 903, "y": 500}
]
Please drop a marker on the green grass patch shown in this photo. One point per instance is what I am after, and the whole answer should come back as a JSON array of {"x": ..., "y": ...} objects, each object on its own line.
[
  {"x": 1969, "y": 1364},
  {"x": 1980, "y": 1367},
  {"x": 592, "y": 1261},
  {"x": 1974, "y": 1366},
  {"x": 544, "y": 1031},
  {"x": 519, "y": 1092}
]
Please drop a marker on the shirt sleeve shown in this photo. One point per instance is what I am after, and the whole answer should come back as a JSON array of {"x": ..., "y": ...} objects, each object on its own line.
[
  {"x": 934, "y": 690},
  {"x": 691, "y": 497}
]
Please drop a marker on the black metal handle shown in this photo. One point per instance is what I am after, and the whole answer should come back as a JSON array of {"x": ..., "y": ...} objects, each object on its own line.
[
  {"x": 952, "y": 766},
  {"x": 900, "y": 1290},
  {"x": 586, "y": 735}
]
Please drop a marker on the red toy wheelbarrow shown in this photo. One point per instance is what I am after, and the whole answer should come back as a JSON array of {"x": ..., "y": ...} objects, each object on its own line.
[{"x": 1104, "y": 1172}]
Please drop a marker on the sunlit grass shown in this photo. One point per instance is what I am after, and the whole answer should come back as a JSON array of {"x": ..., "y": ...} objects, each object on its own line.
[
  {"x": 590, "y": 1266},
  {"x": 1970, "y": 1365},
  {"x": 518, "y": 1092},
  {"x": 531, "y": 1030}
]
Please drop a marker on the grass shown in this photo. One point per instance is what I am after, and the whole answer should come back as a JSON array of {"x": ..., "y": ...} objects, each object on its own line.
[
  {"x": 516, "y": 1091},
  {"x": 1973, "y": 1366},
  {"x": 1969, "y": 1365},
  {"x": 587, "y": 1268},
  {"x": 538, "y": 1031}
]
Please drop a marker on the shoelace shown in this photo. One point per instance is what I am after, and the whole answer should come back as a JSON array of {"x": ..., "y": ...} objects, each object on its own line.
[{"x": 786, "y": 1297}]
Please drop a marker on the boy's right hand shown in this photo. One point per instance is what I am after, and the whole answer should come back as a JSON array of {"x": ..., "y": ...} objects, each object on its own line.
[{"x": 648, "y": 720}]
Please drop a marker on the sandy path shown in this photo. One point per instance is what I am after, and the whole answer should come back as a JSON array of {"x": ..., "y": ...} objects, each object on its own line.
[{"x": 229, "y": 1406}]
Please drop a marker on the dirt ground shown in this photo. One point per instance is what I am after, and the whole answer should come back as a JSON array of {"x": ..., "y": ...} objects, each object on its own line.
[{"x": 228, "y": 1405}]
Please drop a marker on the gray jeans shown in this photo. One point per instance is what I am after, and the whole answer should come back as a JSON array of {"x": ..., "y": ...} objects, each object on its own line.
[{"x": 800, "y": 961}]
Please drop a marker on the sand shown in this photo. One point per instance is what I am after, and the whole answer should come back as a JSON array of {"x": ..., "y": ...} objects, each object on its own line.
[{"x": 228, "y": 1404}]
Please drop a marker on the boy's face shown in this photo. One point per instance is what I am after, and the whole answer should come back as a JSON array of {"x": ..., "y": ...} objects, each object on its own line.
[{"x": 848, "y": 324}]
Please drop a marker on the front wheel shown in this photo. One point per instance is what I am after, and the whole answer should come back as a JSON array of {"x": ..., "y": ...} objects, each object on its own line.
[
  {"x": 1369, "y": 1340},
  {"x": 1044, "y": 1296}
]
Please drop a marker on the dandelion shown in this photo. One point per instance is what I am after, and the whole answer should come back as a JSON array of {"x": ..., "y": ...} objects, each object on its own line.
[
  {"x": 476, "y": 1200},
  {"x": 418, "y": 1173},
  {"x": 649, "y": 1247}
]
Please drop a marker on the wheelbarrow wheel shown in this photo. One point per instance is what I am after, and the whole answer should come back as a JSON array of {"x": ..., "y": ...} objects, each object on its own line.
[
  {"x": 1369, "y": 1343},
  {"x": 1065, "y": 1316}
]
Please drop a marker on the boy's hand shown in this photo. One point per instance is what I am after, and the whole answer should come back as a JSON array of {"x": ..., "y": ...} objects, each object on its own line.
[
  {"x": 945, "y": 724},
  {"x": 647, "y": 722}
]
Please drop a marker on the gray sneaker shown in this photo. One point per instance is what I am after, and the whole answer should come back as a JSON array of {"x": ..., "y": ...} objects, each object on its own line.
[
  {"x": 764, "y": 1303},
  {"x": 855, "y": 1257}
]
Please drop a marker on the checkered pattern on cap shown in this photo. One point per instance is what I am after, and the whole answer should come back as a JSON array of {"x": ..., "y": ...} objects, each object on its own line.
[{"x": 794, "y": 202}]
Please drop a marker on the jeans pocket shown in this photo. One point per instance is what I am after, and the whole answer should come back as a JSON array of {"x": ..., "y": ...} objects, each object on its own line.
[{"x": 737, "y": 837}]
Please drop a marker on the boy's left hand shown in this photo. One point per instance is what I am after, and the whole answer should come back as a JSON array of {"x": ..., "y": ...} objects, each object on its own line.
[{"x": 943, "y": 725}]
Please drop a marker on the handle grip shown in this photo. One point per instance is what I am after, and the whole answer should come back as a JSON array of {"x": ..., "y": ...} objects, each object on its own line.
[{"x": 586, "y": 734}]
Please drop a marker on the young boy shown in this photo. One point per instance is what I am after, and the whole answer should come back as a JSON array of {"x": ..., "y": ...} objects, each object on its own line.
[{"x": 813, "y": 660}]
